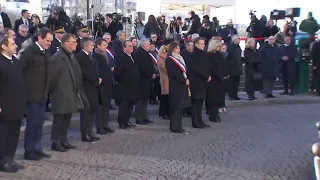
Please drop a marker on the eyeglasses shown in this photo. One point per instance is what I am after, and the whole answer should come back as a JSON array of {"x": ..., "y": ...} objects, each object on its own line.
[{"x": 73, "y": 42}]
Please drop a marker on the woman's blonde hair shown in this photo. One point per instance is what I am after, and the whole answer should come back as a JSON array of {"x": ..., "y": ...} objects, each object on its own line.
[
  {"x": 163, "y": 49},
  {"x": 213, "y": 45},
  {"x": 250, "y": 40}
]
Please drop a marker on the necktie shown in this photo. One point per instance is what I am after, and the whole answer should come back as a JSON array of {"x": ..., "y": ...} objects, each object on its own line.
[{"x": 26, "y": 22}]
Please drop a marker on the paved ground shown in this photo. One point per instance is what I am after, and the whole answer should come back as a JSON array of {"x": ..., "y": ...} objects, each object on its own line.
[{"x": 253, "y": 143}]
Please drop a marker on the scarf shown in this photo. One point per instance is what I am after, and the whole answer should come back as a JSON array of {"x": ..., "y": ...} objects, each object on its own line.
[
  {"x": 104, "y": 54},
  {"x": 178, "y": 56}
]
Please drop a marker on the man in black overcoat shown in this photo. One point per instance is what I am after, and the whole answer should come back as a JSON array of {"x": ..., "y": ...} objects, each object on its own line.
[
  {"x": 67, "y": 91},
  {"x": 315, "y": 57},
  {"x": 234, "y": 67},
  {"x": 199, "y": 76},
  {"x": 127, "y": 76},
  {"x": 147, "y": 73},
  {"x": 35, "y": 61},
  {"x": 289, "y": 56},
  {"x": 91, "y": 82},
  {"x": 5, "y": 19},
  {"x": 105, "y": 88},
  {"x": 12, "y": 104}
]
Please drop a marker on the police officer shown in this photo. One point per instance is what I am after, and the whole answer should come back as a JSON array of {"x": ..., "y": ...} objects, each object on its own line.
[
  {"x": 83, "y": 32},
  {"x": 56, "y": 43}
]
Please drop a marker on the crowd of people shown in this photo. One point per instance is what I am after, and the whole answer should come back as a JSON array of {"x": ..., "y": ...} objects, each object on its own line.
[{"x": 81, "y": 74}]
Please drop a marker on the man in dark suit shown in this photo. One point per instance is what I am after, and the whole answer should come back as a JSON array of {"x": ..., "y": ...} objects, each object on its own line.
[
  {"x": 22, "y": 35},
  {"x": 127, "y": 91},
  {"x": 66, "y": 89},
  {"x": 12, "y": 104},
  {"x": 5, "y": 19},
  {"x": 36, "y": 78},
  {"x": 83, "y": 32},
  {"x": 112, "y": 26},
  {"x": 147, "y": 73},
  {"x": 106, "y": 87},
  {"x": 25, "y": 19},
  {"x": 56, "y": 43},
  {"x": 91, "y": 81}
]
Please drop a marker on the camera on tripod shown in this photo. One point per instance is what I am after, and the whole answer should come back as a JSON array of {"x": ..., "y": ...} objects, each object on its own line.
[
  {"x": 252, "y": 13},
  {"x": 99, "y": 19}
]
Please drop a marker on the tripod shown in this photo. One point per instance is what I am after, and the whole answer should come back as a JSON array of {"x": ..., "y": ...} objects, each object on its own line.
[{"x": 99, "y": 30}]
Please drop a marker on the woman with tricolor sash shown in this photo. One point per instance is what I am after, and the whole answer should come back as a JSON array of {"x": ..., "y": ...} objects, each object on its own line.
[{"x": 179, "y": 91}]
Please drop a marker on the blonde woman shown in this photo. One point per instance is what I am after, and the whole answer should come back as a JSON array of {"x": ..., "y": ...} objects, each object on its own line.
[
  {"x": 253, "y": 76},
  {"x": 164, "y": 83},
  {"x": 216, "y": 90}
]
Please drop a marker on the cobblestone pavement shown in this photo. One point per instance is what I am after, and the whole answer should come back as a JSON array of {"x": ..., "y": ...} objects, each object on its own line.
[{"x": 253, "y": 143}]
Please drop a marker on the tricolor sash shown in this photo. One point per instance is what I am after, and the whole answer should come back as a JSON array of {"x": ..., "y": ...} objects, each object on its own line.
[
  {"x": 183, "y": 68},
  {"x": 109, "y": 52},
  {"x": 157, "y": 50},
  {"x": 154, "y": 59}
]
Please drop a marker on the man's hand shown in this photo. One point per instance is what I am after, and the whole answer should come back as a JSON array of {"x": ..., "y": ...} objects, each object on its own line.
[
  {"x": 0, "y": 110},
  {"x": 209, "y": 79},
  {"x": 226, "y": 77},
  {"x": 112, "y": 68},
  {"x": 285, "y": 58},
  {"x": 314, "y": 67},
  {"x": 100, "y": 80},
  {"x": 154, "y": 76},
  {"x": 187, "y": 82}
]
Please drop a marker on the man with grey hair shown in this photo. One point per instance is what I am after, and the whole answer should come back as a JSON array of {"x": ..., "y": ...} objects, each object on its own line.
[
  {"x": 107, "y": 37},
  {"x": 117, "y": 43},
  {"x": 194, "y": 36},
  {"x": 23, "y": 34},
  {"x": 145, "y": 63},
  {"x": 234, "y": 67}
]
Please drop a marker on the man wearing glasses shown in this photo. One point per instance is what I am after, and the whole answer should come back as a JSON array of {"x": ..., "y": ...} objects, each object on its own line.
[{"x": 66, "y": 90}]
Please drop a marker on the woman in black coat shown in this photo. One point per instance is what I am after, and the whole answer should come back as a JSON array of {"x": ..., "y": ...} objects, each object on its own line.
[
  {"x": 179, "y": 92},
  {"x": 253, "y": 76},
  {"x": 151, "y": 27},
  {"x": 216, "y": 90}
]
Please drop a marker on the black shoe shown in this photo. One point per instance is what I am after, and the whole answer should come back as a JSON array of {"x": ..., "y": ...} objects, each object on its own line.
[
  {"x": 285, "y": 93},
  {"x": 87, "y": 138},
  {"x": 9, "y": 168},
  {"x": 109, "y": 130},
  {"x": 237, "y": 98},
  {"x": 101, "y": 131},
  {"x": 148, "y": 121},
  {"x": 129, "y": 124},
  {"x": 141, "y": 122},
  {"x": 43, "y": 154},
  {"x": 270, "y": 96},
  {"x": 94, "y": 137},
  {"x": 67, "y": 145},
  {"x": 19, "y": 166},
  {"x": 58, "y": 147},
  {"x": 166, "y": 117},
  {"x": 251, "y": 97},
  {"x": 31, "y": 155},
  {"x": 123, "y": 126}
]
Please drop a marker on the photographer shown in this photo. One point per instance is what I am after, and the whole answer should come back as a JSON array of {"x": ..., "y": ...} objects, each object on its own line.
[
  {"x": 58, "y": 18},
  {"x": 113, "y": 25},
  {"x": 35, "y": 24},
  {"x": 76, "y": 24},
  {"x": 254, "y": 29},
  {"x": 99, "y": 25},
  {"x": 206, "y": 31}
]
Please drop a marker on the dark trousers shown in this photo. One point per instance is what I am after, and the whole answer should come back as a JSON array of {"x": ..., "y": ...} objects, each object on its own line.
[
  {"x": 176, "y": 120},
  {"x": 9, "y": 137},
  {"x": 125, "y": 111},
  {"x": 60, "y": 127},
  {"x": 155, "y": 89},
  {"x": 288, "y": 79},
  {"x": 164, "y": 109},
  {"x": 102, "y": 117},
  {"x": 234, "y": 86},
  {"x": 141, "y": 110},
  {"x": 317, "y": 81},
  {"x": 86, "y": 120},
  {"x": 33, "y": 131},
  {"x": 268, "y": 86},
  {"x": 213, "y": 112},
  {"x": 313, "y": 81},
  {"x": 197, "y": 112}
]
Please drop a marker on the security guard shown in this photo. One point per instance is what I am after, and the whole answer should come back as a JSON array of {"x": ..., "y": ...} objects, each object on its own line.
[
  {"x": 83, "y": 32},
  {"x": 56, "y": 43}
]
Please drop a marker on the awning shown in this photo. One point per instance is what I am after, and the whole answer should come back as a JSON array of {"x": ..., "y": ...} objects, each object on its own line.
[{"x": 199, "y": 3}]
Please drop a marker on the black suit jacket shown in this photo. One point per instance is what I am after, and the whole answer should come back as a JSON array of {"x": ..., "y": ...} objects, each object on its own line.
[
  {"x": 113, "y": 28},
  {"x": 90, "y": 77},
  {"x": 55, "y": 46},
  {"x": 6, "y": 20},
  {"x": 18, "y": 22}
]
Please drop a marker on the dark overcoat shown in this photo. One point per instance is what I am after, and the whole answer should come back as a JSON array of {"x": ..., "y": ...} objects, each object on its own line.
[
  {"x": 12, "y": 90},
  {"x": 271, "y": 57},
  {"x": 178, "y": 90},
  {"x": 234, "y": 60},
  {"x": 252, "y": 68},
  {"x": 90, "y": 77},
  {"x": 145, "y": 64},
  {"x": 127, "y": 77},
  {"x": 66, "y": 83}
]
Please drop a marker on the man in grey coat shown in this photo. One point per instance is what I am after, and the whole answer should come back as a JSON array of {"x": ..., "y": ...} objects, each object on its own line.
[{"x": 67, "y": 92}]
